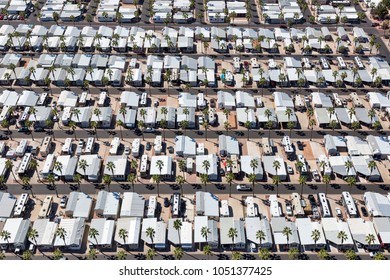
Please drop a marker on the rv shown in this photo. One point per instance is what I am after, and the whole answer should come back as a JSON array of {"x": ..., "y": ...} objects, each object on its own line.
[
  {"x": 115, "y": 143},
  {"x": 46, "y": 207},
  {"x": 359, "y": 62},
  {"x": 324, "y": 205},
  {"x": 21, "y": 205},
  {"x": 67, "y": 147},
  {"x": 144, "y": 99},
  {"x": 42, "y": 99},
  {"x": 349, "y": 204},
  {"x": 144, "y": 166},
  {"x": 324, "y": 63},
  {"x": 90, "y": 146},
  {"x": 341, "y": 63},
  {"x": 135, "y": 146},
  {"x": 21, "y": 149},
  {"x": 176, "y": 205},
  {"x": 201, "y": 101},
  {"x": 46, "y": 146},
  {"x": 102, "y": 99}
]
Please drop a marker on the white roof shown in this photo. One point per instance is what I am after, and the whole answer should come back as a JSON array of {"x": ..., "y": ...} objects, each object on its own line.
[
  {"x": 382, "y": 227},
  {"x": 277, "y": 225},
  {"x": 74, "y": 229},
  {"x": 166, "y": 167},
  {"x": 133, "y": 228},
  {"x": 377, "y": 204},
  {"x": 133, "y": 205},
  {"x": 18, "y": 228},
  {"x": 212, "y": 225},
  {"x": 225, "y": 223},
  {"x": 255, "y": 224},
  {"x": 79, "y": 205},
  {"x": 207, "y": 204},
  {"x": 105, "y": 228},
  {"x": 108, "y": 203},
  {"x": 7, "y": 204},
  {"x": 160, "y": 231},
  {"x": 305, "y": 228},
  {"x": 212, "y": 158},
  {"x": 360, "y": 229},
  {"x": 46, "y": 232},
  {"x": 183, "y": 236},
  {"x": 332, "y": 227}
]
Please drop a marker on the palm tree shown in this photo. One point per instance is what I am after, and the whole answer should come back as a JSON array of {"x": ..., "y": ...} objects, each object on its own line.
[
  {"x": 157, "y": 179},
  {"x": 342, "y": 236},
  {"x": 180, "y": 181},
  {"x": 229, "y": 180},
  {"x": 276, "y": 166},
  {"x": 6, "y": 235},
  {"x": 350, "y": 255},
  {"x": 111, "y": 167},
  {"x": 302, "y": 181},
  {"x": 293, "y": 253},
  {"x": 276, "y": 181},
  {"x": 370, "y": 238},
  {"x": 312, "y": 123},
  {"x": 371, "y": 166},
  {"x": 326, "y": 180},
  {"x": 34, "y": 165},
  {"x": 52, "y": 180},
  {"x": 204, "y": 232},
  {"x": 131, "y": 178},
  {"x": 58, "y": 167},
  {"x": 236, "y": 255},
  {"x": 107, "y": 181},
  {"x": 260, "y": 235},
  {"x": 287, "y": 232},
  {"x": 92, "y": 254},
  {"x": 207, "y": 250},
  {"x": 121, "y": 255},
  {"x": 178, "y": 253},
  {"x": 123, "y": 234},
  {"x": 204, "y": 178},
  {"x": 264, "y": 254},
  {"x": 27, "y": 255},
  {"x": 32, "y": 234},
  {"x": 72, "y": 126},
  {"x": 348, "y": 165},
  {"x": 83, "y": 165},
  {"x": 150, "y": 232},
  {"x": 61, "y": 233},
  {"x": 93, "y": 233},
  {"x": 77, "y": 180},
  {"x": 232, "y": 233},
  {"x": 323, "y": 254},
  {"x": 177, "y": 224},
  {"x": 315, "y": 235},
  {"x": 150, "y": 254},
  {"x": 252, "y": 179},
  {"x": 57, "y": 254}
]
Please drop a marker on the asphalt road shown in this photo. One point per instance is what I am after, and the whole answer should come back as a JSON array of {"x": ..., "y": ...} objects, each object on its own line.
[
  {"x": 303, "y": 134},
  {"x": 169, "y": 187},
  {"x": 192, "y": 256}
]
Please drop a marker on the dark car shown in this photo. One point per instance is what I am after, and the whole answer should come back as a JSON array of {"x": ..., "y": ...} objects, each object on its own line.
[
  {"x": 23, "y": 129},
  {"x": 39, "y": 129},
  {"x": 166, "y": 202},
  {"x": 312, "y": 200},
  {"x": 148, "y": 146},
  {"x": 364, "y": 211},
  {"x": 212, "y": 103},
  {"x": 170, "y": 149},
  {"x": 300, "y": 145}
]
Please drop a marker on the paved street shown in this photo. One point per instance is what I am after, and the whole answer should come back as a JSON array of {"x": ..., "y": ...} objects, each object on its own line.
[
  {"x": 128, "y": 135},
  {"x": 169, "y": 187}
]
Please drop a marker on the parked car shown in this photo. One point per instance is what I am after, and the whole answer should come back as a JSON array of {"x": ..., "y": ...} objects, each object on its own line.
[
  {"x": 170, "y": 149},
  {"x": 201, "y": 120},
  {"x": 364, "y": 211},
  {"x": 312, "y": 200},
  {"x": 243, "y": 188},
  {"x": 290, "y": 170},
  {"x": 316, "y": 176},
  {"x": 23, "y": 129},
  {"x": 64, "y": 200},
  {"x": 289, "y": 210},
  {"x": 148, "y": 146},
  {"x": 212, "y": 103},
  {"x": 300, "y": 145},
  {"x": 127, "y": 150},
  {"x": 166, "y": 202},
  {"x": 149, "y": 130},
  {"x": 39, "y": 129},
  {"x": 339, "y": 213}
]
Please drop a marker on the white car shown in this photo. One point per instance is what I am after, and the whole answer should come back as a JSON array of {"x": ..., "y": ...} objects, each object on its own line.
[
  {"x": 149, "y": 130},
  {"x": 338, "y": 212},
  {"x": 127, "y": 150},
  {"x": 290, "y": 170},
  {"x": 289, "y": 210},
  {"x": 243, "y": 188},
  {"x": 201, "y": 120}
]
